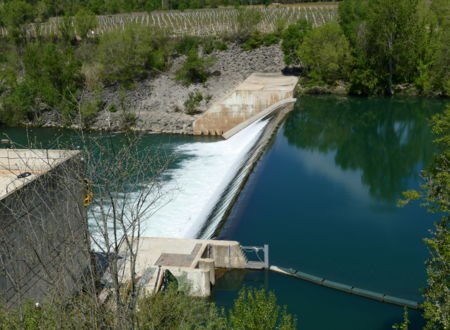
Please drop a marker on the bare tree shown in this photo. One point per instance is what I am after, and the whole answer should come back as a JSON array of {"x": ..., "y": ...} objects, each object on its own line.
[{"x": 74, "y": 209}]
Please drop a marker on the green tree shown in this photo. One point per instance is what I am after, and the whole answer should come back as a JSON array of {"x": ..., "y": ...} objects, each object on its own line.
[
  {"x": 436, "y": 195},
  {"x": 16, "y": 14},
  {"x": 247, "y": 20},
  {"x": 131, "y": 53},
  {"x": 394, "y": 40},
  {"x": 50, "y": 81},
  {"x": 257, "y": 309},
  {"x": 325, "y": 52},
  {"x": 292, "y": 38},
  {"x": 434, "y": 69},
  {"x": 352, "y": 16}
]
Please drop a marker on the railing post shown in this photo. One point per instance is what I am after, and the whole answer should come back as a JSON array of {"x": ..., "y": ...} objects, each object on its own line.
[{"x": 266, "y": 256}]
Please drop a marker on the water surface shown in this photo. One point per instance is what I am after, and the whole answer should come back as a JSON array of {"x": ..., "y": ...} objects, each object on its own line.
[{"x": 324, "y": 198}]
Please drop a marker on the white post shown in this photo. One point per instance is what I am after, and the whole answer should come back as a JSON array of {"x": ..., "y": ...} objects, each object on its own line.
[{"x": 266, "y": 256}]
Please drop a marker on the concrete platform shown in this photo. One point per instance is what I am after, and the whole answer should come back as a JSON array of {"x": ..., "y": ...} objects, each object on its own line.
[
  {"x": 191, "y": 261},
  {"x": 258, "y": 92},
  {"x": 36, "y": 161}
]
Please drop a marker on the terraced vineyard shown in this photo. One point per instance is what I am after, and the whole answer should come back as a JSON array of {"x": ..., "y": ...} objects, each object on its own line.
[{"x": 200, "y": 22}]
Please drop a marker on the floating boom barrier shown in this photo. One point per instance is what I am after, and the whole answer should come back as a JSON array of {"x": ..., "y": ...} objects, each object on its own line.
[{"x": 347, "y": 288}]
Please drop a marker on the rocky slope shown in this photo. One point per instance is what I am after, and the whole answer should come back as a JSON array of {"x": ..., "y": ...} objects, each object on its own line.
[{"x": 158, "y": 103}]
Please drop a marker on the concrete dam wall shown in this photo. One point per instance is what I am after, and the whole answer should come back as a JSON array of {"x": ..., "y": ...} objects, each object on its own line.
[
  {"x": 257, "y": 93},
  {"x": 43, "y": 231}
]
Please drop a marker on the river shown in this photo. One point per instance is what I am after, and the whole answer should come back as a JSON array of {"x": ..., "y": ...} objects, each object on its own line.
[{"x": 323, "y": 197}]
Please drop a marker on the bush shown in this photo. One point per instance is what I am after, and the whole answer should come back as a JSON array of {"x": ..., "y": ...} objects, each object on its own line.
[
  {"x": 292, "y": 38},
  {"x": 18, "y": 105},
  {"x": 187, "y": 44},
  {"x": 168, "y": 309},
  {"x": 257, "y": 39},
  {"x": 256, "y": 309},
  {"x": 51, "y": 80},
  {"x": 127, "y": 120},
  {"x": 85, "y": 21},
  {"x": 247, "y": 20},
  {"x": 326, "y": 53},
  {"x": 194, "y": 70},
  {"x": 175, "y": 310},
  {"x": 193, "y": 102},
  {"x": 15, "y": 14},
  {"x": 132, "y": 53},
  {"x": 210, "y": 44}
]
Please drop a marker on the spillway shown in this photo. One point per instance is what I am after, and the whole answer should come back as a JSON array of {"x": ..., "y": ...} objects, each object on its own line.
[
  {"x": 205, "y": 185},
  {"x": 196, "y": 187}
]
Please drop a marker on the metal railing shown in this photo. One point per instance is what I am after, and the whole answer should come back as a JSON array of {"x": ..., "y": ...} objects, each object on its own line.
[{"x": 254, "y": 258}]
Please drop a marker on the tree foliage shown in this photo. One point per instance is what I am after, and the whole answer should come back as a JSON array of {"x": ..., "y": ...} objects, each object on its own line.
[
  {"x": 325, "y": 52},
  {"x": 195, "y": 69},
  {"x": 169, "y": 309},
  {"x": 247, "y": 20},
  {"x": 257, "y": 309},
  {"x": 397, "y": 42},
  {"x": 292, "y": 38},
  {"x": 51, "y": 80},
  {"x": 436, "y": 196},
  {"x": 132, "y": 53}
]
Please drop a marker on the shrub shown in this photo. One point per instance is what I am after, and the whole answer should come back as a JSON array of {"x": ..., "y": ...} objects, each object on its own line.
[
  {"x": 92, "y": 75},
  {"x": 88, "y": 112},
  {"x": 175, "y": 310},
  {"x": 292, "y": 38},
  {"x": 127, "y": 120},
  {"x": 257, "y": 39},
  {"x": 187, "y": 44},
  {"x": 210, "y": 44},
  {"x": 194, "y": 70},
  {"x": 193, "y": 102},
  {"x": 15, "y": 14},
  {"x": 51, "y": 81},
  {"x": 131, "y": 53},
  {"x": 247, "y": 20},
  {"x": 256, "y": 309},
  {"x": 54, "y": 69},
  {"x": 85, "y": 21},
  {"x": 18, "y": 105},
  {"x": 326, "y": 53}
]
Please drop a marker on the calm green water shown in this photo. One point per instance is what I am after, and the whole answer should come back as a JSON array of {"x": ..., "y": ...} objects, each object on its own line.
[{"x": 324, "y": 198}]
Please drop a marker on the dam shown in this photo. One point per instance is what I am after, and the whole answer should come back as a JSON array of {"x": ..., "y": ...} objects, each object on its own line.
[
  {"x": 255, "y": 94},
  {"x": 246, "y": 119},
  {"x": 358, "y": 239}
]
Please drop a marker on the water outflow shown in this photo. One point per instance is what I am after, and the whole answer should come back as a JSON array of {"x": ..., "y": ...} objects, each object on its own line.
[{"x": 202, "y": 187}]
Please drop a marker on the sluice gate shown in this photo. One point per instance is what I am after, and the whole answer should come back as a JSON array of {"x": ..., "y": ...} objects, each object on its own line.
[{"x": 347, "y": 288}]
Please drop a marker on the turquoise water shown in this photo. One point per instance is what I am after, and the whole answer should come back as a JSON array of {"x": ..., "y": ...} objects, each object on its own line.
[{"x": 324, "y": 198}]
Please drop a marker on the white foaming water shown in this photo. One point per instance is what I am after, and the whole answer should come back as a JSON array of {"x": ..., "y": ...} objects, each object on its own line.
[{"x": 197, "y": 185}]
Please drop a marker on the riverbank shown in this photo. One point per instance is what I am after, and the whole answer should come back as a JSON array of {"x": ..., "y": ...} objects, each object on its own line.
[{"x": 157, "y": 104}]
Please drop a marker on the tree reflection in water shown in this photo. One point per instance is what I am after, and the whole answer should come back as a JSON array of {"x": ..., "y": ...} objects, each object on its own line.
[{"x": 387, "y": 139}]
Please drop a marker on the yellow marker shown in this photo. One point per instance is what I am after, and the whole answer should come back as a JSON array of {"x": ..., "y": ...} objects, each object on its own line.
[{"x": 89, "y": 193}]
